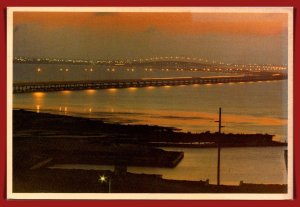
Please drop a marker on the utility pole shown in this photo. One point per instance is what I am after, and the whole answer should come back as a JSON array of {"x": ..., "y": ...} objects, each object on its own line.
[{"x": 219, "y": 147}]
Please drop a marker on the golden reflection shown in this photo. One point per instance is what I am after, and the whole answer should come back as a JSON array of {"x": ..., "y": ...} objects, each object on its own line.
[
  {"x": 112, "y": 110},
  {"x": 150, "y": 87},
  {"x": 167, "y": 86},
  {"x": 37, "y": 108},
  {"x": 60, "y": 108},
  {"x": 65, "y": 92},
  {"x": 38, "y": 98},
  {"x": 112, "y": 90},
  {"x": 90, "y": 110},
  {"x": 66, "y": 110},
  {"x": 196, "y": 85},
  {"x": 90, "y": 91},
  {"x": 132, "y": 88},
  {"x": 230, "y": 118},
  {"x": 38, "y": 94}
]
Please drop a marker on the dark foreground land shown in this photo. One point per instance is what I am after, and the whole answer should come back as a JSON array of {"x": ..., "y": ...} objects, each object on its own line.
[
  {"x": 87, "y": 181},
  {"x": 43, "y": 140}
]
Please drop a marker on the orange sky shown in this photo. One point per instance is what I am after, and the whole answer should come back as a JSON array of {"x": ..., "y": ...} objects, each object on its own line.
[
  {"x": 174, "y": 23},
  {"x": 227, "y": 37}
]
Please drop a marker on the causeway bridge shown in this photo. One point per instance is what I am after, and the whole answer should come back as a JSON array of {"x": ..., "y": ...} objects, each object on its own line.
[{"x": 49, "y": 86}]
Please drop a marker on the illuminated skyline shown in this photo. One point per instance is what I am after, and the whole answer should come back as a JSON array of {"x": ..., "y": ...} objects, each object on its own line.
[{"x": 230, "y": 37}]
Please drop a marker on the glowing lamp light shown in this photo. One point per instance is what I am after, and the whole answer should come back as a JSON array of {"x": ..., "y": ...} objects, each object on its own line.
[{"x": 102, "y": 179}]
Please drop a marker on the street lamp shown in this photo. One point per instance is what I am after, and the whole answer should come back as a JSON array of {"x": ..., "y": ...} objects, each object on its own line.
[{"x": 103, "y": 179}]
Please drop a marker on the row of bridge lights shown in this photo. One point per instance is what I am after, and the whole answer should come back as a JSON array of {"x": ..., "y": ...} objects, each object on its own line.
[
  {"x": 203, "y": 60},
  {"x": 39, "y": 70},
  {"x": 128, "y": 69}
]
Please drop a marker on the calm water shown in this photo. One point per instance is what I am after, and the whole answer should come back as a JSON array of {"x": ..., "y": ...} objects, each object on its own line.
[
  {"x": 247, "y": 107},
  {"x": 252, "y": 165},
  {"x": 259, "y": 107},
  {"x": 50, "y": 72}
]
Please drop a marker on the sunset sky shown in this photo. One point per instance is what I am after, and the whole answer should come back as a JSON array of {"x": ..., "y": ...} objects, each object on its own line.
[{"x": 228, "y": 37}]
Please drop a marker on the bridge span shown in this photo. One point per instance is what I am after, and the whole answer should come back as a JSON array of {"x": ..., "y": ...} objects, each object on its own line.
[{"x": 143, "y": 82}]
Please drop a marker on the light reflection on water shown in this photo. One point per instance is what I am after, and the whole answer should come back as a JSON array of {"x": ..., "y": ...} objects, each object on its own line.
[
  {"x": 247, "y": 108},
  {"x": 254, "y": 107},
  {"x": 261, "y": 165}
]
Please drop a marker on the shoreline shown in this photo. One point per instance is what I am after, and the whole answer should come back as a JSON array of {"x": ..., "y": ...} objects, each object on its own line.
[
  {"x": 161, "y": 134},
  {"x": 41, "y": 140}
]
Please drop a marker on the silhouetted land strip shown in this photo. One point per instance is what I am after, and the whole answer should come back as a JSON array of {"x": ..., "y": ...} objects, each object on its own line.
[
  {"x": 78, "y": 181},
  {"x": 42, "y": 140},
  {"x": 43, "y": 125}
]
